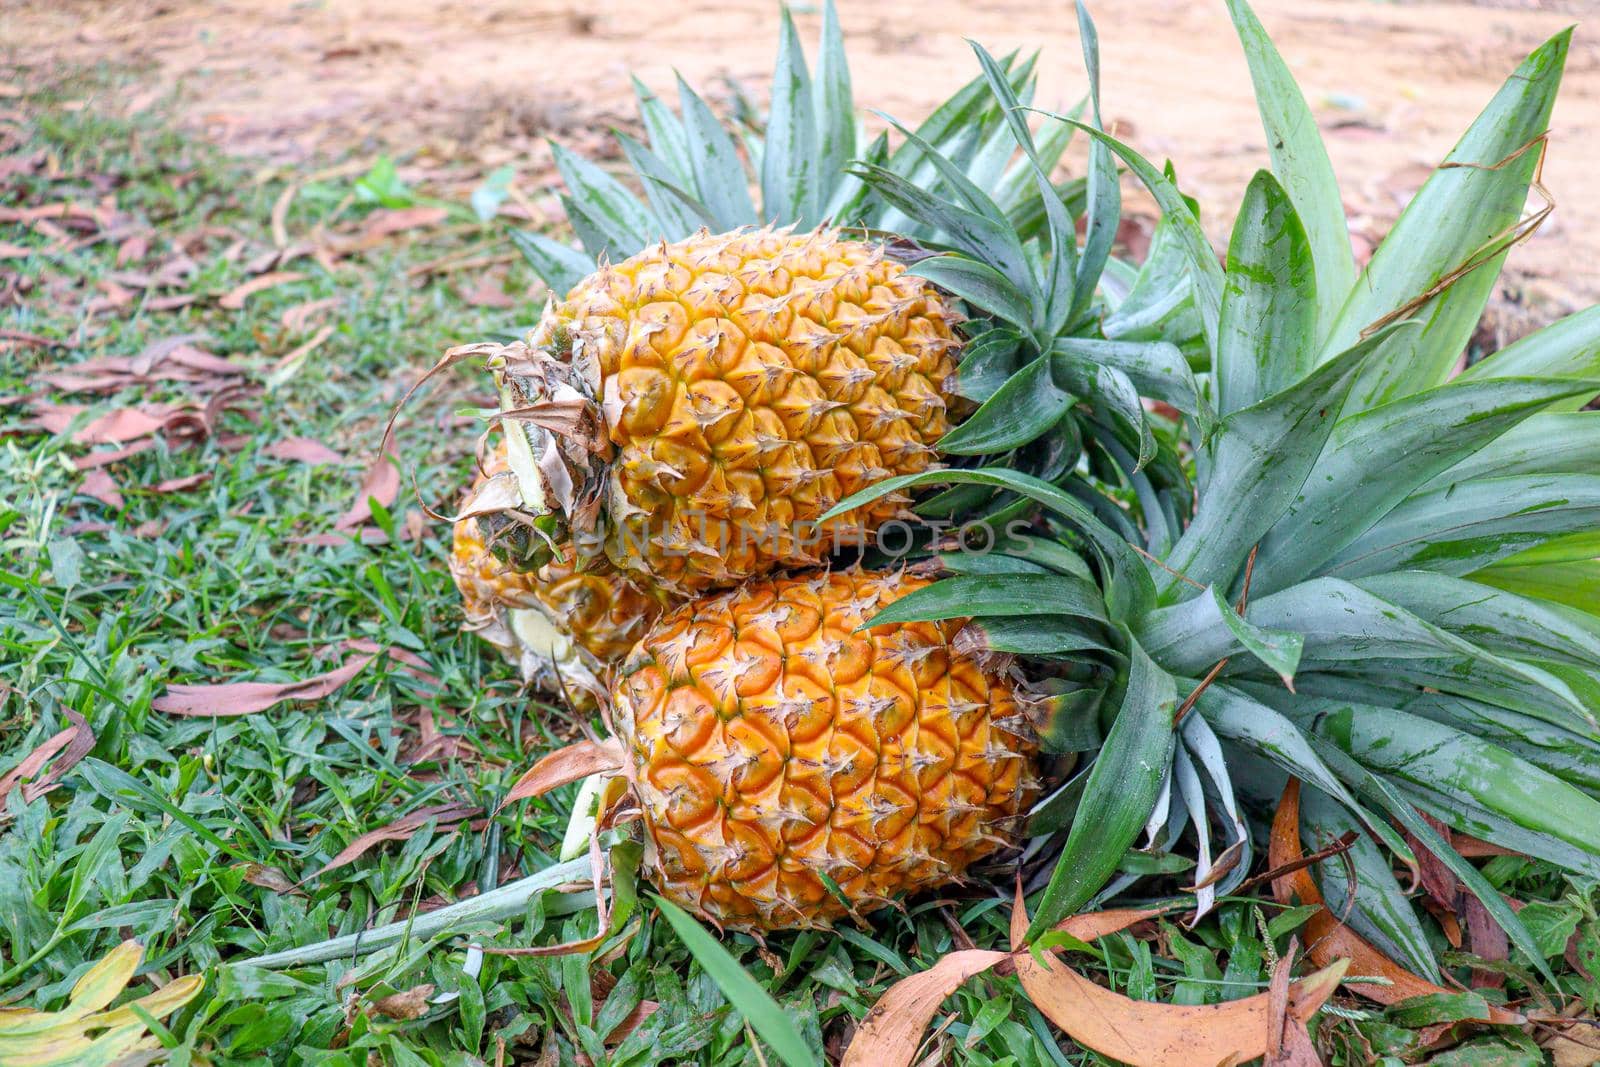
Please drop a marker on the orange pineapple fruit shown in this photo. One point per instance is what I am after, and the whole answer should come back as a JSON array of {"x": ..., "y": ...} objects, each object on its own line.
[
  {"x": 692, "y": 411},
  {"x": 771, "y": 746},
  {"x": 562, "y": 624}
]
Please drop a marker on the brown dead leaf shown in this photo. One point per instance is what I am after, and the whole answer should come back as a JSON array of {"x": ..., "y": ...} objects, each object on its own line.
[
  {"x": 235, "y": 299},
  {"x": 302, "y": 450},
  {"x": 11, "y": 251},
  {"x": 72, "y": 744},
  {"x": 382, "y": 483},
  {"x": 407, "y": 1005},
  {"x": 115, "y": 455},
  {"x": 297, "y": 318},
  {"x": 1146, "y": 1034},
  {"x": 242, "y": 698},
  {"x": 266, "y": 877},
  {"x": 892, "y": 1031},
  {"x": 133, "y": 249},
  {"x": 114, "y": 428},
  {"x": 564, "y": 765},
  {"x": 1326, "y": 937},
  {"x": 390, "y": 221},
  {"x": 170, "y": 303},
  {"x": 100, "y": 485},
  {"x": 446, "y": 815},
  {"x": 177, "y": 485},
  {"x": 489, "y": 292}
]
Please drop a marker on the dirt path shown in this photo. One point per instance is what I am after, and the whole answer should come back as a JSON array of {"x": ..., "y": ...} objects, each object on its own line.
[{"x": 480, "y": 84}]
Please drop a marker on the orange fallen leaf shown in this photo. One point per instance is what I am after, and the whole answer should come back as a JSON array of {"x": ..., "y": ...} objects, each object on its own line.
[
  {"x": 11, "y": 251},
  {"x": 242, "y": 698},
  {"x": 177, "y": 485},
  {"x": 292, "y": 359},
  {"x": 72, "y": 744},
  {"x": 302, "y": 450},
  {"x": 565, "y": 765},
  {"x": 100, "y": 485},
  {"x": 408, "y": 1005},
  {"x": 235, "y": 299},
  {"x": 1326, "y": 937},
  {"x": 382, "y": 483},
  {"x": 1148, "y": 1034},
  {"x": 892, "y": 1031},
  {"x": 400, "y": 830},
  {"x": 388, "y": 221}
]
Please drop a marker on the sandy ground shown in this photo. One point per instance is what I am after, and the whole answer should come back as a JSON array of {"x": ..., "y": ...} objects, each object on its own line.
[{"x": 467, "y": 86}]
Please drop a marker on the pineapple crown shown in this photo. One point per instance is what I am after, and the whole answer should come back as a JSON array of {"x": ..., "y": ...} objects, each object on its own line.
[{"x": 1380, "y": 579}]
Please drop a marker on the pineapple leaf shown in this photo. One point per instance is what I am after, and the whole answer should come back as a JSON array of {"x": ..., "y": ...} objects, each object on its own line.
[
  {"x": 1279, "y": 649},
  {"x": 1385, "y": 795},
  {"x": 1269, "y": 300},
  {"x": 1259, "y": 727},
  {"x": 1300, "y": 162},
  {"x": 1467, "y": 526},
  {"x": 1022, "y": 409},
  {"x": 1412, "y": 440},
  {"x": 675, "y": 217},
  {"x": 987, "y": 362},
  {"x": 1037, "y": 635},
  {"x": 765, "y": 1015},
  {"x": 1259, "y": 459},
  {"x": 789, "y": 161},
  {"x": 1105, "y": 193},
  {"x": 1568, "y": 348},
  {"x": 833, "y": 105},
  {"x": 719, "y": 177},
  {"x": 981, "y": 231},
  {"x": 979, "y": 285},
  {"x": 1380, "y": 911},
  {"x": 1119, "y": 794},
  {"x": 557, "y": 265},
  {"x": 1157, "y": 368},
  {"x": 667, "y": 137},
  {"x": 1457, "y": 220},
  {"x": 1016, "y": 187},
  {"x": 980, "y": 595},
  {"x": 1499, "y": 621},
  {"x": 1055, "y": 284},
  {"x": 1526, "y": 449},
  {"x": 1575, "y": 584},
  {"x": 613, "y": 210},
  {"x": 1205, "y": 271}
]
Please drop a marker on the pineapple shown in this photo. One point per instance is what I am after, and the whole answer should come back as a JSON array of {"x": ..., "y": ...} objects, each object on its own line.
[
  {"x": 561, "y": 625},
  {"x": 697, "y": 406},
  {"x": 773, "y": 746}
]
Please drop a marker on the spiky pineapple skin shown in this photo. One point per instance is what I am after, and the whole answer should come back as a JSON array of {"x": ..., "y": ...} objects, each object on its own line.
[
  {"x": 749, "y": 381},
  {"x": 770, "y": 745},
  {"x": 602, "y": 612}
]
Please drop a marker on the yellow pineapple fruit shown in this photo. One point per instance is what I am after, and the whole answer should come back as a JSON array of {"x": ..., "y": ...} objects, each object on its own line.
[
  {"x": 692, "y": 411},
  {"x": 772, "y": 746},
  {"x": 562, "y": 625}
]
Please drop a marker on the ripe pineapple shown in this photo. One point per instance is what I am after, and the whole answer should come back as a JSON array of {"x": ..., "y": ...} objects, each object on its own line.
[
  {"x": 772, "y": 745},
  {"x": 696, "y": 407},
  {"x": 561, "y": 625}
]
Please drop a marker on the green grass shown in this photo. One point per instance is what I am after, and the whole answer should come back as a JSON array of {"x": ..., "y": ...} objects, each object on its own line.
[{"x": 182, "y": 832}]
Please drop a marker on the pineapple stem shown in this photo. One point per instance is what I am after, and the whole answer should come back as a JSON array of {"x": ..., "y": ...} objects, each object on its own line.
[{"x": 506, "y": 902}]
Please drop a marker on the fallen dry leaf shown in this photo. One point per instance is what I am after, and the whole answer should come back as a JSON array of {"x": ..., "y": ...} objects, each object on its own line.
[
  {"x": 235, "y": 299},
  {"x": 389, "y": 221},
  {"x": 302, "y": 450},
  {"x": 242, "y": 698},
  {"x": 564, "y": 765},
  {"x": 73, "y": 743},
  {"x": 1148, "y": 1034},
  {"x": 297, "y": 318},
  {"x": 266, "y": 877},
  {"x": 407, "y": 1005},
  {"x": 177, "y": 485},
  {"x": 382, "y": 483},
  {"x": 401, "y": 829},
  {"x": 1326, "y": 937},
  {"x": 489, "y": 292},
  {"x": 99, "y": 484},
  {"x": 11, "y": 251}
]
